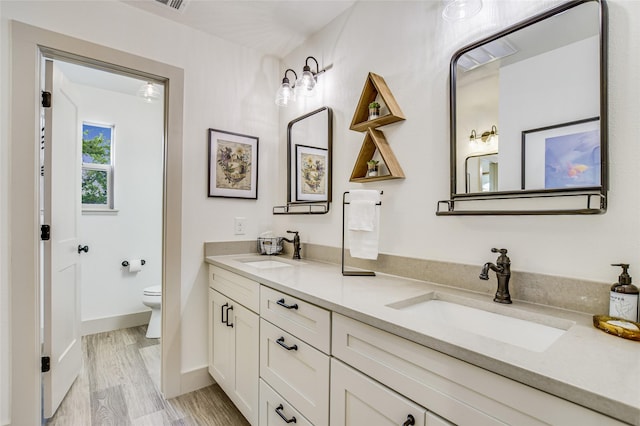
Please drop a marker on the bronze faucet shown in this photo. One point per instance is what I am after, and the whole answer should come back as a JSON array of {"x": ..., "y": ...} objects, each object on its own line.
[
  {"x": 502, "y": 268},
  {"x": 296, "y": 244}
]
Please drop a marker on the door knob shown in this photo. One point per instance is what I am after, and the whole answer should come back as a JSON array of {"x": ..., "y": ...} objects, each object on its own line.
[{"x": 83, "y": 249}]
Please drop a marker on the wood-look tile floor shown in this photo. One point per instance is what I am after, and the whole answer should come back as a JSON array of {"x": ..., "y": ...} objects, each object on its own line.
[{"x": 119, "y": 385}]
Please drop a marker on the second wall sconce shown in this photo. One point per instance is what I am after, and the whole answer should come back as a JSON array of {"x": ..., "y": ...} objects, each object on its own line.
[
  {"x": 303, "y": 86},
  {"x": 486, "y": 137}
]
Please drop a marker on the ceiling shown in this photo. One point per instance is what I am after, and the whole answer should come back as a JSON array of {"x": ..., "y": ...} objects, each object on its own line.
[
  {"x": 99, "y": 79},
  {"x": 271, "y": 27}
]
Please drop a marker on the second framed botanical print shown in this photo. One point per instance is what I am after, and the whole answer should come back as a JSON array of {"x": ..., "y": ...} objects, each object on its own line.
[{"x": 311, "y": 173}]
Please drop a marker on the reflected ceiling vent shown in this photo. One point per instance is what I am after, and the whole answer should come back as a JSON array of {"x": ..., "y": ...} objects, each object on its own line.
[
  {"x": 178, "y": 5},
  {"x": 486, "y": 53}
]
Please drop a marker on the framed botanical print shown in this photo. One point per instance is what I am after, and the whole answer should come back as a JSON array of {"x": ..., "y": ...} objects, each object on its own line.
[{"x": 233, "y": 165}]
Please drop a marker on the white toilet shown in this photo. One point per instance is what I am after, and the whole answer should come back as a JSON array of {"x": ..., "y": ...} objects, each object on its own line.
[{"x": 152, "y": 297}]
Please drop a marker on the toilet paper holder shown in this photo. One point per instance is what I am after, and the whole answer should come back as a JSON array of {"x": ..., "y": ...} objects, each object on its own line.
[{"x": 125, "y": 263}]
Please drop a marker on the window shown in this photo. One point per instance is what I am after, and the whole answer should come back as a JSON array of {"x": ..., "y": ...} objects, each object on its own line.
[{"x": 97, "y": 166}]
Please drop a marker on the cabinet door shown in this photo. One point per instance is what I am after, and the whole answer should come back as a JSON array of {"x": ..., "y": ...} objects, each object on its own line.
[
  {"x": 276, "y": 411},
  {"x": 246, "y": 326},
  {"x": 358, "y": 400},
  {"x": 221, "y": 341}
]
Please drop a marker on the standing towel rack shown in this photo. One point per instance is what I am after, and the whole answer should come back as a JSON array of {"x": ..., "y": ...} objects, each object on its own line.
[{"x": 353, "y": 273}]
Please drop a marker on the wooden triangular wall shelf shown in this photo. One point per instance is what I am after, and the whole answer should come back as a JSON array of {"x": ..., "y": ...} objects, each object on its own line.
[
  {"x": 374, "y": 139},
  {"x": 374, "y": 86}
]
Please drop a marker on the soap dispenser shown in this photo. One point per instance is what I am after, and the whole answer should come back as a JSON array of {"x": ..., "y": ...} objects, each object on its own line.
[{"x": 623, "y": 301}]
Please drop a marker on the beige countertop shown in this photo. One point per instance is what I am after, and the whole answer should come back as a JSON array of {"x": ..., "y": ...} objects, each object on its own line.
[{"x": 584, "y": 365}]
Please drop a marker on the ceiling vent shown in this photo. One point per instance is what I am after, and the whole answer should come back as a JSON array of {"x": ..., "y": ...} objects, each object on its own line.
[{"x": 178, "y": 5}]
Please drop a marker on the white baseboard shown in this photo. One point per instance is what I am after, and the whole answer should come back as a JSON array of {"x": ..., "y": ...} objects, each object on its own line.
[
  {"x": 195, "y": 379},
  {"x": 100, "y": 325}
]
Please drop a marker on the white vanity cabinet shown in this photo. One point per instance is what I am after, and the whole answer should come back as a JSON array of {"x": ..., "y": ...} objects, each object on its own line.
[
  {"x": 279, "y": 357},
  {"x": 293, "y": 337},
  {"x": 234, "y": 339},
  {"x": 457, "y": 391}
]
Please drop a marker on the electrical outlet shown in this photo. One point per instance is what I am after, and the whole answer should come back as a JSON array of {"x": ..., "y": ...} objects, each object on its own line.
[{"x": 239, "y": 225}]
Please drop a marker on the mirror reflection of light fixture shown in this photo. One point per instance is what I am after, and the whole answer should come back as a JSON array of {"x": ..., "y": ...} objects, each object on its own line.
[
  {"x": 286, "y": 93},
  {"x": 457, "y": 10},
  {"x": 149, "y": 92},
  {"x": 485, "y": 137}
]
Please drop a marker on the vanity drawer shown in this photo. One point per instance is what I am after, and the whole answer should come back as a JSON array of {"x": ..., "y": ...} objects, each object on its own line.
[
  {"x": 302, "y": 319},
  {"x": 300, "y": 375},
  {"x": 456, "y": 390},
  {"x": 359, "y": 400},
  {"x": 241, "y": 289},
  {"x": 272, "y": 406}
]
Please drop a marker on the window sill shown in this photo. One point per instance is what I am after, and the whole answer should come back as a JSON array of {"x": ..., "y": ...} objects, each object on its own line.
[{"x": 106, "y": 212}]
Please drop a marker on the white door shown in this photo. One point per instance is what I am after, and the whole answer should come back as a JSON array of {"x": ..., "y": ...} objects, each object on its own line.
[{"x": 62, "y": 339}]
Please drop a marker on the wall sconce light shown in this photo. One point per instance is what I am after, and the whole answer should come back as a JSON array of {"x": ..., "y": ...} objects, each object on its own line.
[
  {"x": 457, "y": 10},
  {"x": 149, "y": 93},
  {"x": 307, "y": 81},
  {"x": 286, "y": 93},
  {"x": 486, "y": 137},
  {"x": 303, "y": 86}
]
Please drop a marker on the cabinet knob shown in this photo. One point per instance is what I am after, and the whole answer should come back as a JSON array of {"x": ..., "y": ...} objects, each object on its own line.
[
  {"x": 410, "y": 421},
  {"x": 229, "y": 324},
  {"x": 279, "y": 409},
  {"x": 280, "y": 341},
  {"x": 284, "y": 305}
]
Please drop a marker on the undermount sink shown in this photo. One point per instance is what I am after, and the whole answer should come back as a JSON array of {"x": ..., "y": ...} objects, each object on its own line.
[
  {"x": 528, "y": 330},
  {"x": 266, "y": 264}
]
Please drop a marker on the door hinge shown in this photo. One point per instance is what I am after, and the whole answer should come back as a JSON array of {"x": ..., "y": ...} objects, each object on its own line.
[
  {"x": 45, "y": 232},
  {"x": 46, "y": 364},
  {"x": 46, "y": 99}
]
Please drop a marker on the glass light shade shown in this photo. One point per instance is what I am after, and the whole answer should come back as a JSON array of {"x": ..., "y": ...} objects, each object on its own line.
[
  {"x": 149, "y": 93},
  {"x": 284, "y": 95},
  {"x": 456, "y": 10},
  {"x": 305, "y": 84}
]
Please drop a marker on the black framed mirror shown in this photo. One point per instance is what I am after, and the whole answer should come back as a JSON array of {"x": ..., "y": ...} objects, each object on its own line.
[
  {"x": 534, "y": 98},
  {"x": 309, "y": 163}
]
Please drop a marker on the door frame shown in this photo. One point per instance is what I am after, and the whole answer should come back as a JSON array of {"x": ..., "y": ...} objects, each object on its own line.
[{"x": 28, "y": 45}]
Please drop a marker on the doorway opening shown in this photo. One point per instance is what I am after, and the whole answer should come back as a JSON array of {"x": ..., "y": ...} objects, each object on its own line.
[
  {"x": 28, "y": 45},
  {"x": 102, "y": 195}
]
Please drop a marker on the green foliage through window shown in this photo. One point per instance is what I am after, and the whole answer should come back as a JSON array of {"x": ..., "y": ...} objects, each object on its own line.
[
  {"x": 96, "y": 165},
  {"x": 94, "y": 187}
]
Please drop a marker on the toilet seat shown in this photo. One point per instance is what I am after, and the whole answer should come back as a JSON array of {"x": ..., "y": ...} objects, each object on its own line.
[{"x": 155, "y": 290}]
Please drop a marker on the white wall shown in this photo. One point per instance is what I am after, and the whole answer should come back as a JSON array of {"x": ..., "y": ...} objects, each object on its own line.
[
  {"x": 135, "y": 231},
  {"x": 477, "y": 108},
  {"x": 226, "y": 87},
  {"x": 412, "y": 52}
]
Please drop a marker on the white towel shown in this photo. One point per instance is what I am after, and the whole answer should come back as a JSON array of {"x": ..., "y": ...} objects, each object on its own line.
[{"x": 363, "y": 225}]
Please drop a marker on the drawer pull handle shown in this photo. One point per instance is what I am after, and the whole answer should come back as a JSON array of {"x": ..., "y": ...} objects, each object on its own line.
[
  {"x": 279, "y": 411},
  {"x": 410, "y": 421},
  {"x": 280, "y": 341},
  {"x": 229, "y": 324},
  {"x": 284, "y": 305},
  {"x": 222, "y": 320}
]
